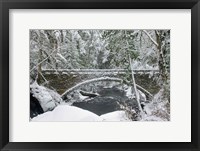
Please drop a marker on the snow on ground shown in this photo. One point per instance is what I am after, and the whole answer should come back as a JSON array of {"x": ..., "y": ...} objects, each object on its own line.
[
  {"x": 67, "y": 113},
  {"x": 48, "y": 98},
  {"x": 152, "y": 118},
  {"x": 155, "y": 112},
  {"x": 115, "y": 116},
  {"x": 72, "y": 113}
]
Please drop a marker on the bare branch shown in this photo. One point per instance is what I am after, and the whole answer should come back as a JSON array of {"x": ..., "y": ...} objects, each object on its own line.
[{"x": 46, "y": 81}]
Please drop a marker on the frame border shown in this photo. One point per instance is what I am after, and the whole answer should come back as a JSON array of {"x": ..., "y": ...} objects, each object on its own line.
[{"x": 5, "y": 5}]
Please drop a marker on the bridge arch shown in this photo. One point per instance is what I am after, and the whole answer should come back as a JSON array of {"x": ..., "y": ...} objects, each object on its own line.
[{"x": 102, "y": 79}]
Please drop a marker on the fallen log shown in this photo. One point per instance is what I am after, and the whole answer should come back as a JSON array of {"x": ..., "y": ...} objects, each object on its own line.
[{"x": 89, "y": 94}]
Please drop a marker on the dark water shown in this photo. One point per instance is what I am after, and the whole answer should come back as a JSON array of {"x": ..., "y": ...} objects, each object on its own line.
[{"x": 110, "y": 99}]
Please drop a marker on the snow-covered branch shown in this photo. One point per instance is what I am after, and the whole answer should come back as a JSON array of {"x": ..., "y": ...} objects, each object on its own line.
[
  {"x": 99, "y": 70},
  {"x": 135, "y": 32},
  {"x": 48, "y": 56},
  {"x": 150, "y": 37},
  {"x": 62, "y": 58},
  {"x": 144, "y": 90},
  {"x": 52, "y": 67},
  {"x": 43, "y": 60}
]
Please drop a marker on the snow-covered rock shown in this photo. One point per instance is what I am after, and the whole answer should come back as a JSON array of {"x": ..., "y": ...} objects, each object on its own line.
[
  {"x": 72, "y": 113},
  {"x": 142, "y": 96},
  {"x": 156, "y": 111},
  {"x": 47, "y": 98},
  {"x": 67, "y": 113},
  {"x": 82, "y": 97},
  {"x": 129, "y": 93}
]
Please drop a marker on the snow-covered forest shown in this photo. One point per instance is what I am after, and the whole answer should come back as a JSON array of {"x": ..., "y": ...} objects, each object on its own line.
[{"x": 99, "y": 75}]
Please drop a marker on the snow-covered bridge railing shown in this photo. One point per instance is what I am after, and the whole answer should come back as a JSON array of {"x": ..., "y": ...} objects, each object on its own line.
[
  {"x": 101, "y": 79},
  {"x": 98, "y": 71}
]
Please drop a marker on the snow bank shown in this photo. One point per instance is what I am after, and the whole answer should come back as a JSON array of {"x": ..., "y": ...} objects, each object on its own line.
[
  {"x": 72, "y": 113},
  {"x": 156, "y": 112},
  {"x": 48, "y": 98},
  {"x": 115, "y": 116},
  {"x": 67, "y": 113}
]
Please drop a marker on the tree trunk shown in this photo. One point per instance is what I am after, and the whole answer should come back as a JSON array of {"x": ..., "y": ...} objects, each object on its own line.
[
  {"x": 39, "y": 69},
  {"x": 134, "y": 86},
  {"x": 161, "y": 61},
  {"x": 61, "y": 36}
]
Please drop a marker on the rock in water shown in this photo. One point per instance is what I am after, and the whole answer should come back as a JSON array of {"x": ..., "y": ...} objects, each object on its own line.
[{"x": 109, "y": 100}]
